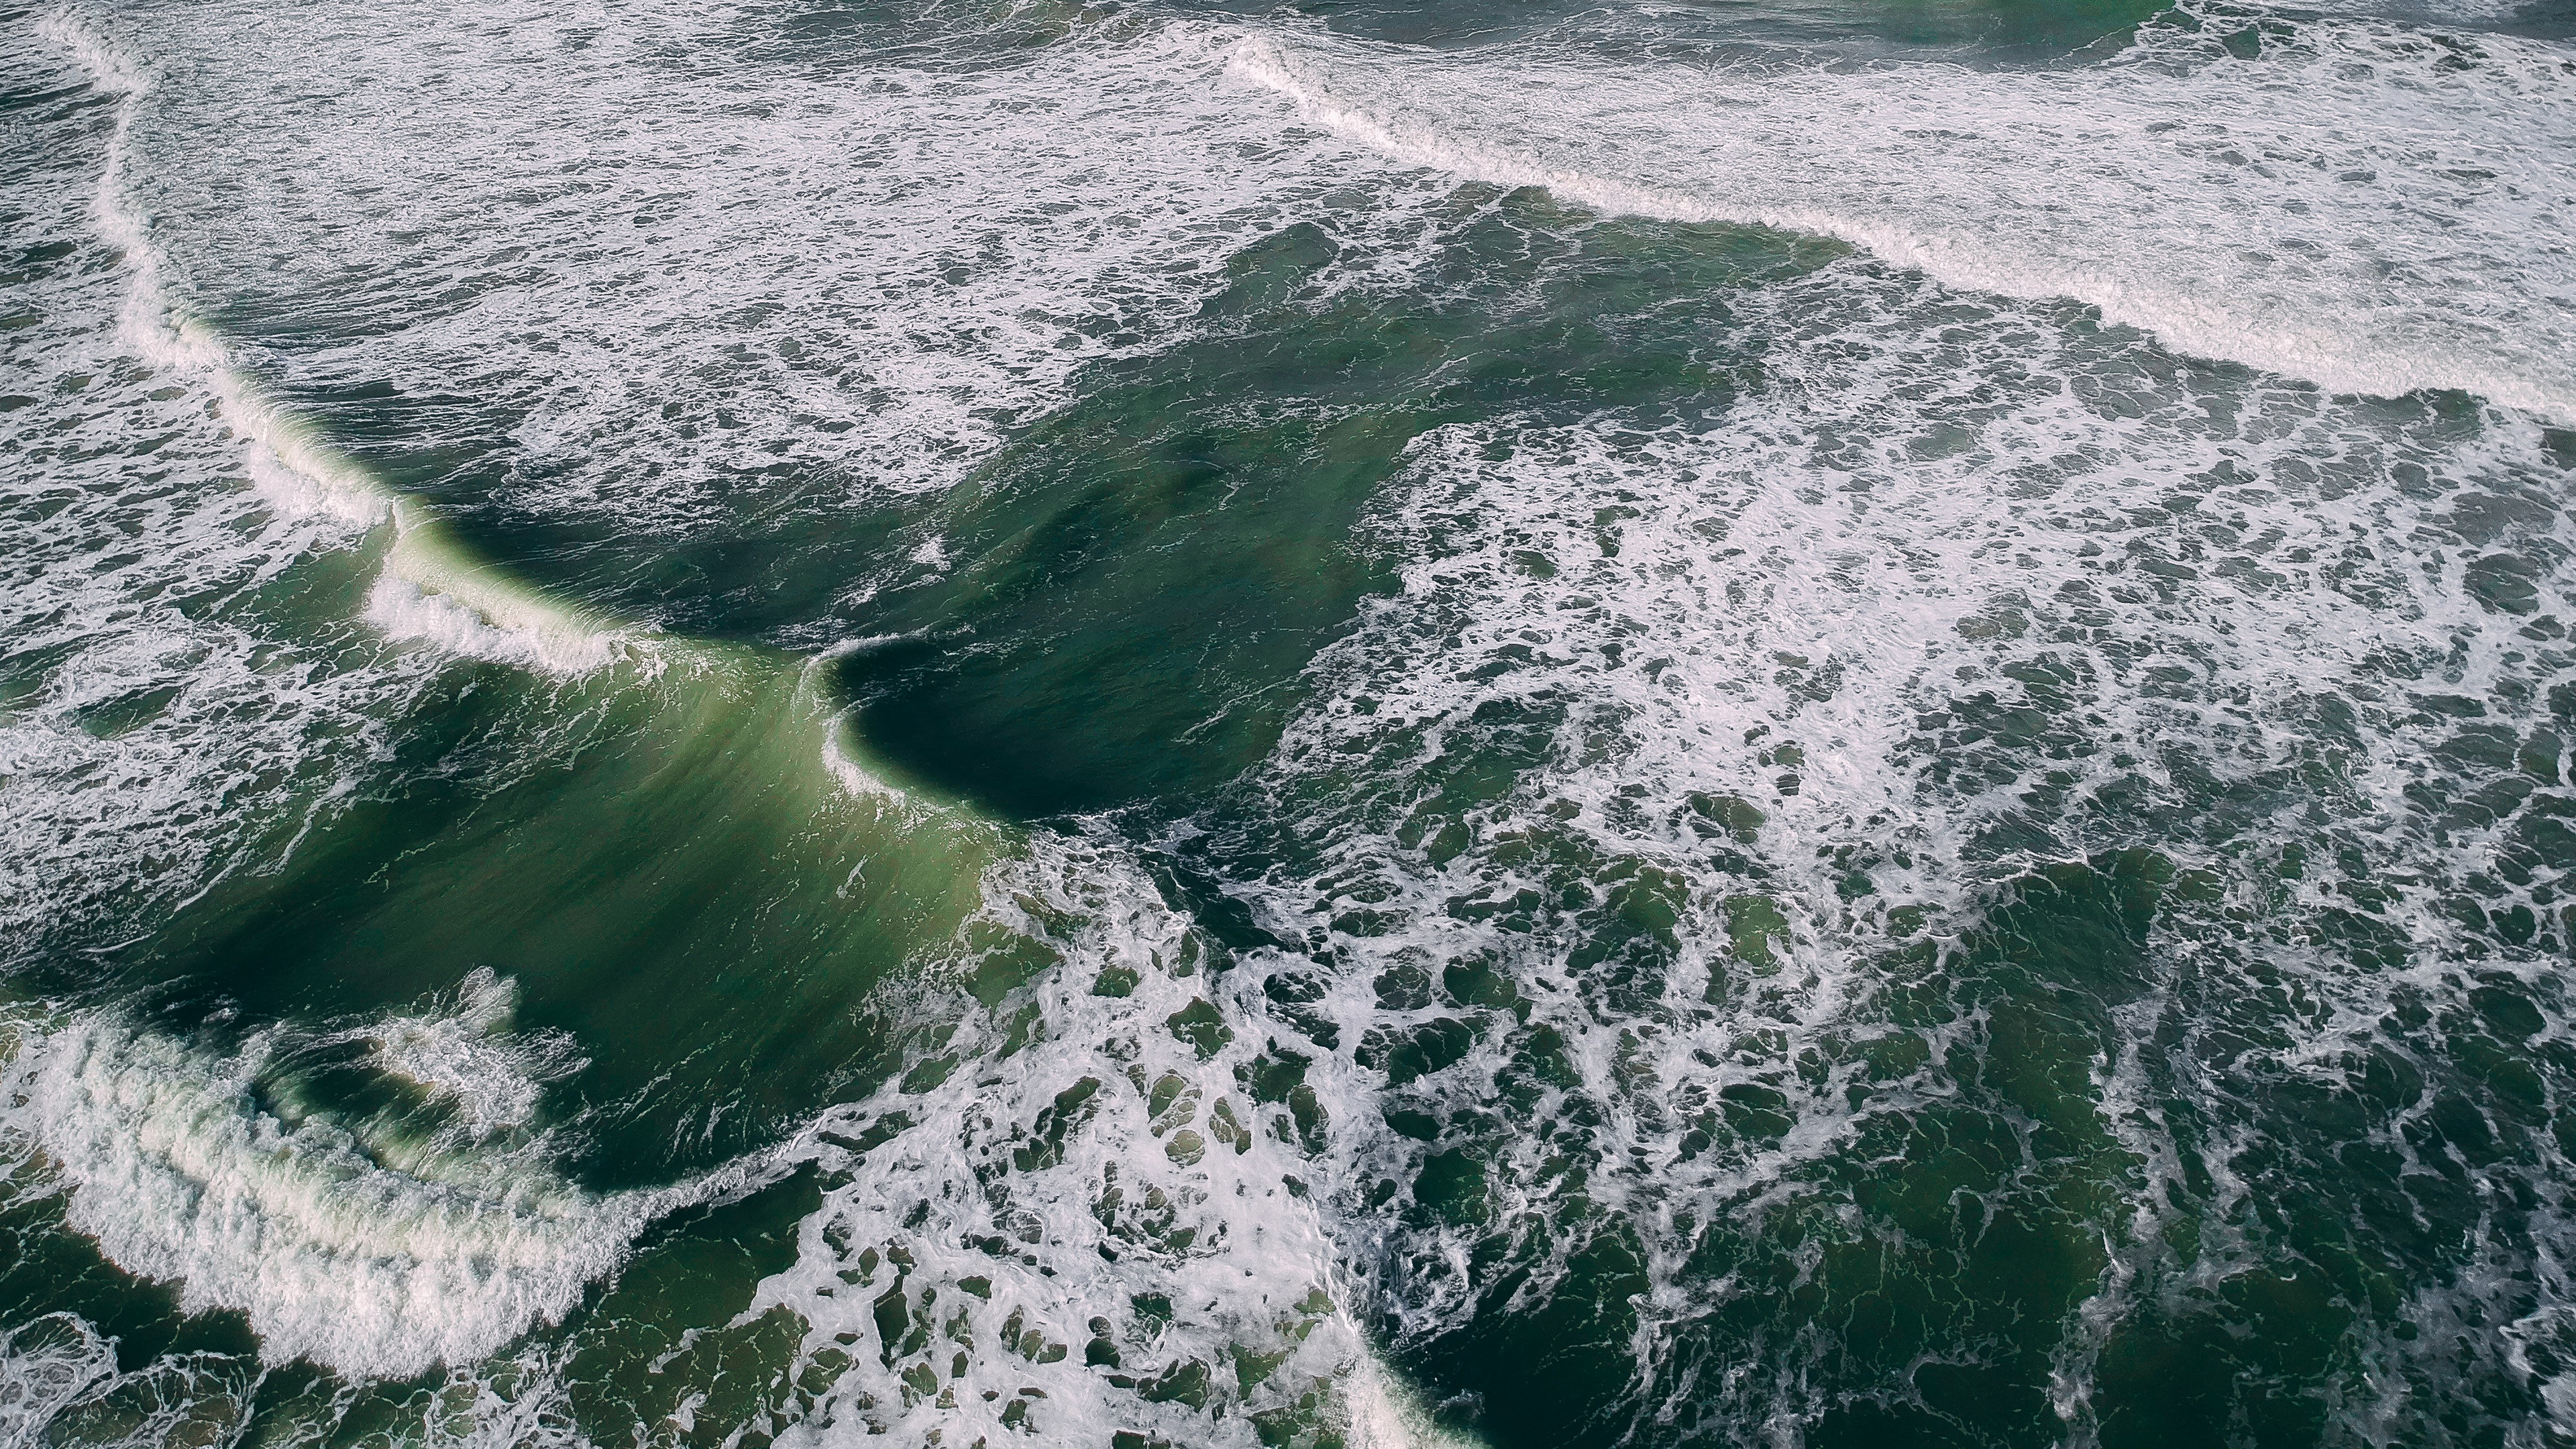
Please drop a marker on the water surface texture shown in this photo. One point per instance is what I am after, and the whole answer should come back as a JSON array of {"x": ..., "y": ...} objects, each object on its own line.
[{"x": 1797, "y": 723}]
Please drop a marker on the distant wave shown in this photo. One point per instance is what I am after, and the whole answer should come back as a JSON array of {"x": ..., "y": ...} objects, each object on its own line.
[{"x": 2359, "y": 207}]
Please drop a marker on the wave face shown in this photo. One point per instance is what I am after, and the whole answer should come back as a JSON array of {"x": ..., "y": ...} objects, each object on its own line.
[{"x": 1185, "y": 725}]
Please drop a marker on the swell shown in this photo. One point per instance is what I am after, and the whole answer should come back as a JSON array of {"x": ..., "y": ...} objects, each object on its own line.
[
  {"x": 381, "y": 1254},
  {"x": 381, "y": 1240},
  {"x": 961, "y": 1272},
  {"x": 431, "y": 588}
]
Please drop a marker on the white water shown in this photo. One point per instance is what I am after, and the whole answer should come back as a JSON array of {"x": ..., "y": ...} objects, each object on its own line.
[
  {"x": 463, "y": 1049},
  {"x": 427, "y": 592},
  {"x": 664, "y": 291},
  {"x": 370, "y": 1257},
  {"x": 1939, "y": 523},
  {"x": 1083, "y": 1153},
  {"x": 2365, "y": 206},
  {"x": 147, "y": 747}
]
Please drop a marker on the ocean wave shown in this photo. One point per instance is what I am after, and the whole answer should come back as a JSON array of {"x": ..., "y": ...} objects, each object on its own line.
[
  {"x": 2363, "y": 205},
  {"x": 431, "y": 591},
  {"x": 168, "y": 1159}
]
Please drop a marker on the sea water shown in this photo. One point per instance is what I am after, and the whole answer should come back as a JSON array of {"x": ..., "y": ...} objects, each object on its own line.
[{"x": 1818, "y": 723}]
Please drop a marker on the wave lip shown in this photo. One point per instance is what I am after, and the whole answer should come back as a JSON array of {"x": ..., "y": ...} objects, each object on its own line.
[
  {"x": 546, "y": 642},
  {"x": 334, "y": 1253}
]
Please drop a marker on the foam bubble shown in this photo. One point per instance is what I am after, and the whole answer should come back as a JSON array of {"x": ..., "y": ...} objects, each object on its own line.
[{"x": 46, "y": 1367}]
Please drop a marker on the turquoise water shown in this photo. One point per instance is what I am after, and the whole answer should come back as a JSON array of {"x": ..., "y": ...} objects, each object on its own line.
[{"x": 1365, "y": 725}]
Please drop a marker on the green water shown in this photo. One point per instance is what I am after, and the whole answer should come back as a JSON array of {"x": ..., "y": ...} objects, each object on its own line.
[{"x": 1188, "y": 725}]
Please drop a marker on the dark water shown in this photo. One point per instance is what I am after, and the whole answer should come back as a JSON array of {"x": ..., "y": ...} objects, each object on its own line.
[{"x": 1368, "y": 725}]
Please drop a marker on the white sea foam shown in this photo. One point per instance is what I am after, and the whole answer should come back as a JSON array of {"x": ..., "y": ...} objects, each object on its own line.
[
  {"x": 2365, "y": 206},
  {"x": 403, "y": 610},
  {"x": 1388, "y": 1414},
  {"x": 297, "y": 475},
  {"x": 46, "y": 1367},
  {"x": 1960, "y": 595},
  {"x": 168, "y": 1160},
  {"x": 1878, "y": 560},
  {"x": 615, "y": 271},
  {"x": 60, "y": 1382},
  {"x": 839, "y": 757},
  {"x": 1090, "y": 1181},
  {"x": 147, "y": 746},
  {"x": 464, "y": 1050}
]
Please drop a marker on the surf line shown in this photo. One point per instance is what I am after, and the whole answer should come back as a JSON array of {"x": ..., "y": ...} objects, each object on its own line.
[{"x": 374, "y": 1256}]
